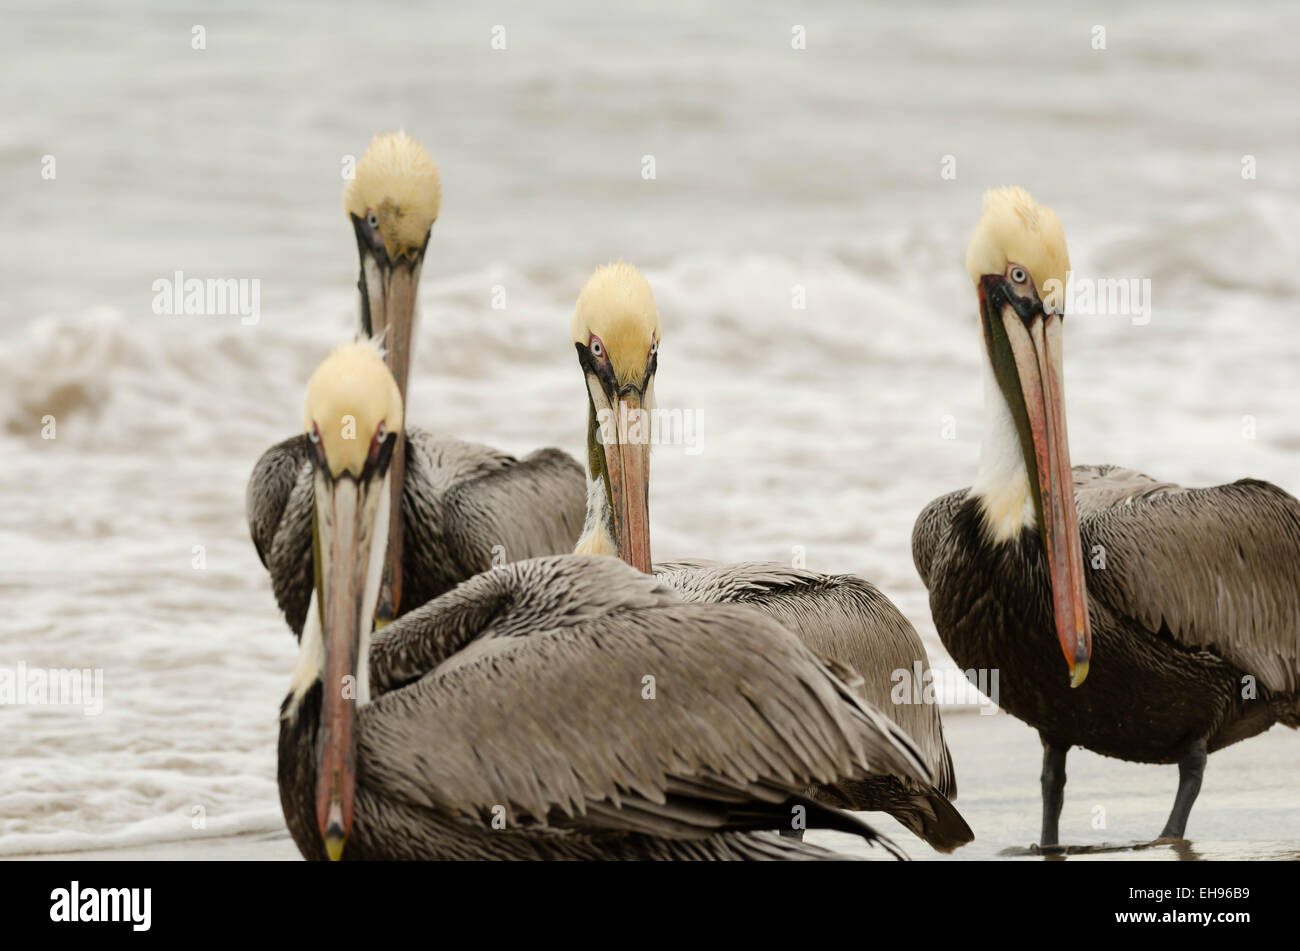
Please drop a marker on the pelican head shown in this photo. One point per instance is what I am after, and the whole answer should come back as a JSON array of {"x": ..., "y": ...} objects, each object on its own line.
[
  {"x": 615, "y": 329},
  {"x": 353, "y": 415},
  {"x": 393, "y": 201},
  {"x": 1018, "y": 262}
]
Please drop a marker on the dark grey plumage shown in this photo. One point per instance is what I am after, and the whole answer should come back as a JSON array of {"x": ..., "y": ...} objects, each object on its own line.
[
  {"x": 848, "y": 620},
  {"x": 1201, "y": 587},
  {"x": 1236, "y": 587},
  {"x": 520, "y": 693},
  {"x": 460, "y": 501}
]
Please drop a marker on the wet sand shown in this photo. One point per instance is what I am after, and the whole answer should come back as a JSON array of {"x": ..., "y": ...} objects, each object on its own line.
[{"x": 1246, "y": 810}]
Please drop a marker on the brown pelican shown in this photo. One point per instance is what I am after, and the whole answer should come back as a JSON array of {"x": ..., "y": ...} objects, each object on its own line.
[
  {"x": 616, "y": 330},
  {"x": 563, "y": 707},
  {"x": 393, "y": 200},
  {"x": 1188, "y": 633},
  {"x": 461, "y": 501}
]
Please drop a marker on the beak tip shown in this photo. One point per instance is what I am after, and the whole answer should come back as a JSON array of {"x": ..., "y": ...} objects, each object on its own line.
[
  {"x": 335, "y": 838},
  {"x": 1078, "y": 673}
]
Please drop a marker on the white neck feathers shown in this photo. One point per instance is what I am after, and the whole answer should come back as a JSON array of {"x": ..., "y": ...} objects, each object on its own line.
[
  {"x": 1002, "y": 485},
  {"x": 595, "y": 538}
]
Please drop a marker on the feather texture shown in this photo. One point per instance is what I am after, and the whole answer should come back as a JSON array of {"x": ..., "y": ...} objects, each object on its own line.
[
  {"x": 1189, "y": 591},
  {"x": 1217, "y": 568},
  {"x": 522, "y": 694},
  {"x": 852, "y": 626}
]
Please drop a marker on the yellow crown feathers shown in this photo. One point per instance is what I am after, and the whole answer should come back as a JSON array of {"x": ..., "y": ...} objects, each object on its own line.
[{"x": 399, "y": 182}]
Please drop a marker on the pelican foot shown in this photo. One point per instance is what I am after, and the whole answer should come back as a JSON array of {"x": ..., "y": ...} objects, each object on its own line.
[
  {"x": 1164, "y": 840},
  {"x": 1061, "y": 849}
]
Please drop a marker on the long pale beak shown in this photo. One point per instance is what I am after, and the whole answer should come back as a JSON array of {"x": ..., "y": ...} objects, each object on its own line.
[
  {"x": 345, "y": 532},
  {"x": 390, "y": 291},
  {"x": 1035, "y": 345},
  {"x": 627, "y": 458},
  {"x": 393, "y": 314}
]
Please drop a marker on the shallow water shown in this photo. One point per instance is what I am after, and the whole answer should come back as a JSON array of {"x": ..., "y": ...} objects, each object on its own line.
[
  {"x": 1246, "y": 809},
  {"x": 823, "y": 429}
]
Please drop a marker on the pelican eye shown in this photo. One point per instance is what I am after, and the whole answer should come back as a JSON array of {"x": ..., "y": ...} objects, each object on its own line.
[
  {"x": 381, "y": 433},
  {"x": 313, "y": 435},
  {"x": 1019, "y": 275},
  {"x": 373, "y": 220},
  {"x": 654, "y": 348},
  {"x": 597, "y": 348}
]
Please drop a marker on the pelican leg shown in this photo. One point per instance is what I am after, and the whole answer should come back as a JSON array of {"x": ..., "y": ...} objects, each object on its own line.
[
  {"x": 1053, "y": 780},
  {"x": 1191, "y": 769}
]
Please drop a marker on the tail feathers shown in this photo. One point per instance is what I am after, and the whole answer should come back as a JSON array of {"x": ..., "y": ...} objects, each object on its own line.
[
  {"x": 922, "y": 809},
  {"x": 700, "y": 808},
  {"x": 816, "y": 815},
  {"x": 763, "y": 846},
  {"x": 826, "y": 817},
  {"x": 1289, "y": 715},
  {"x": 936, "y": 820}
]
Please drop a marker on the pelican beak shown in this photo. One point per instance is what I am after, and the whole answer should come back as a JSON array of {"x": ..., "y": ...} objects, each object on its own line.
[
  {"x": 388, "y": 285},
  {"x": 619, "y": 438},
  {"x": 348, "y": 509},
  {"x": 627, "y": 458},
  {"x": 1024, "y": 345}
]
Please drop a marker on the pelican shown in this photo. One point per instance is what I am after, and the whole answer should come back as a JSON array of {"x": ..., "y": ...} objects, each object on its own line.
[
  {"x": 464, "y": 506},
  {"x": 616, "y": 331},
  {"x": 1187, "y": 640},
  {"x": 562, "y": 707},
  {"x": 392, "y": 200}
]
